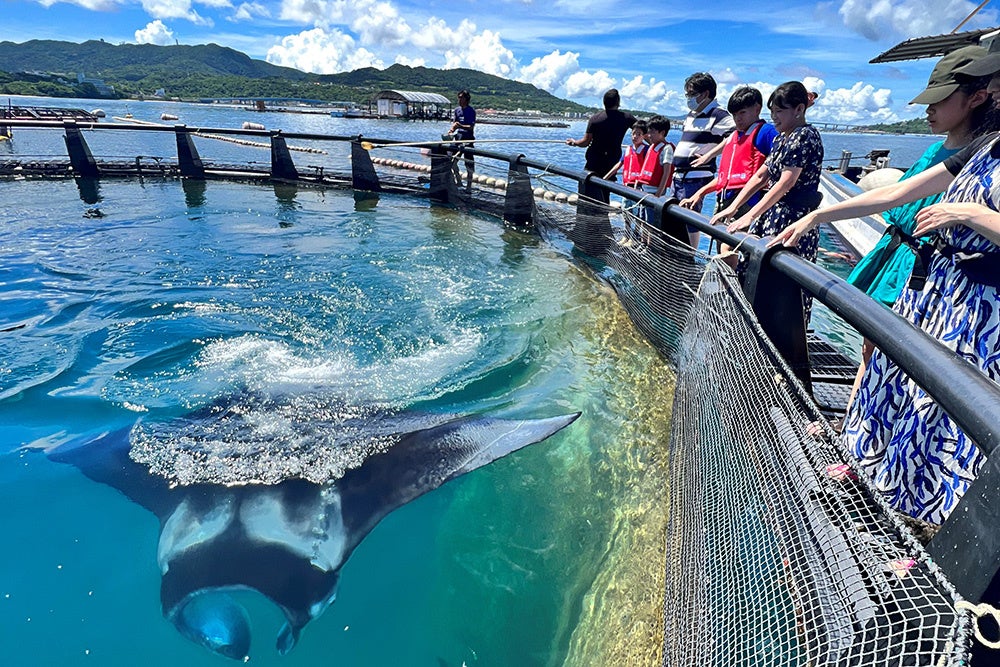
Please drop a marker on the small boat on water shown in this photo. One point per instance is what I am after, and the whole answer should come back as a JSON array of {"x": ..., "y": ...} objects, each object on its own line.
[{"x": 167, "y": 116}]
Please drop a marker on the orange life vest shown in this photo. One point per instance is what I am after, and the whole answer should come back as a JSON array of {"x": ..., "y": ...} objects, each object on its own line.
[
  {"x": 652, "y": 170},
  {"x": 740, "y": 160},
  {"x": 632, "y": 164}
]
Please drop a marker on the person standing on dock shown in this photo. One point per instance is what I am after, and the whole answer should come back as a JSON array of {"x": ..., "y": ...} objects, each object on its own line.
[
  {"x": 705, "y": 127},
  {"x": 793, "y": 170},
  {"x": 957, "y": 106},
  {"x": 917, "y": 457},
  {"x": 603, "y": 141},
  {"x": 463, "y": 128}
]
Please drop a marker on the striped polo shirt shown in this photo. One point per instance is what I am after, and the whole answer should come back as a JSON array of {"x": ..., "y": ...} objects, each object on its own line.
[{"x": 702, "y": 131}]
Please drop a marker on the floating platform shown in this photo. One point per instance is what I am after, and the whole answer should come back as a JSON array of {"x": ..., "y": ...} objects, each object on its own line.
[{"x": 46, "y": 113}]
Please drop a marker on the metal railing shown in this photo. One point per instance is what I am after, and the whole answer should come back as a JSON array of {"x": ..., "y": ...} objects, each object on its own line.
[{"x": 967, "y": 547}]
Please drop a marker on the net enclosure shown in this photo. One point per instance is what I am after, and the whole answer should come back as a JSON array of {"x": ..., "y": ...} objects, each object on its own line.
[{"x": 777, "y": 553}]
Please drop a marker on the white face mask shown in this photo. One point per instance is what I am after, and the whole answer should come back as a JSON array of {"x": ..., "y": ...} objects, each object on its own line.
[{"x": 692, "y": 102}]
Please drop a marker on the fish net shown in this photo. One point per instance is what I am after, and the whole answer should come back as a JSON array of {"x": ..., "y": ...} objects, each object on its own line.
[{"x": 777, "y": 553}]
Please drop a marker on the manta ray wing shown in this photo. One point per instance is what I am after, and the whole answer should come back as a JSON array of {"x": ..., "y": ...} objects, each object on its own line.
[{"x": 425, "y": 459}]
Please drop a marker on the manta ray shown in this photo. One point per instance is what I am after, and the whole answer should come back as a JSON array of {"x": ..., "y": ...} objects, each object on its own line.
[{"x": 274, "y": 495}]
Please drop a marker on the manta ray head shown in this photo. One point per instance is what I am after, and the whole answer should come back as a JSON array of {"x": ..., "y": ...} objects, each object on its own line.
[{"x": 215, "y": 620}]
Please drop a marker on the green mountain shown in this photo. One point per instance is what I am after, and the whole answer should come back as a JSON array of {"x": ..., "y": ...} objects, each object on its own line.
[{"x": 212, "y": 71}]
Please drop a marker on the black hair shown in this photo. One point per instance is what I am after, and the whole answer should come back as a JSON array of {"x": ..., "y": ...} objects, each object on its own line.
[
  {"x": 641, "y": 125},
  {"x": 788, "y": 96},
  {"x": 700, "y": 82},
  {"x": 465, "y": 94},
  {"x": 985, "y": 118},
  {"x": 612, "y": 100},
  {"x": 743, "y": 98},
  {"x": 659, "y": 123}
]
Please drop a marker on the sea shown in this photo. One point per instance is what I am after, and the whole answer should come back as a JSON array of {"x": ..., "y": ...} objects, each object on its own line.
[{"x": 172, "y": 297}]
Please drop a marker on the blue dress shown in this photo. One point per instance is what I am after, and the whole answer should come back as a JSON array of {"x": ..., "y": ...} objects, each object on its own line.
[{"x": 916, "y": 455}]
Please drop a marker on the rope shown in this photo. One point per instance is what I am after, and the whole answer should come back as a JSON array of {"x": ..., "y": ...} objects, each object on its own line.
[{"x": 980, "y": 610}]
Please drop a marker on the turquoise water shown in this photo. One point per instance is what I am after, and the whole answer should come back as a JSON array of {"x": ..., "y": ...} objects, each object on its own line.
[{"x": 177, "y": 297}]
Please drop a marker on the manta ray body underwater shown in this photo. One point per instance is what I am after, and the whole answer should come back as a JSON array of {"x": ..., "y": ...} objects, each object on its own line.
[{"x": 280, "y": 508}]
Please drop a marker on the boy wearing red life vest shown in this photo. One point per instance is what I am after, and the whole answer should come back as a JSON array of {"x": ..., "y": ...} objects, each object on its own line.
[
  {"x": 743, "y": 152},
  {"x": 631, "y": 168},
  {"x": 657, "y": 167}
]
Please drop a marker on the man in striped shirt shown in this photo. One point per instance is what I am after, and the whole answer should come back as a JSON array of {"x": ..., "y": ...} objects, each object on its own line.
[{"x": 705, "y": 126}]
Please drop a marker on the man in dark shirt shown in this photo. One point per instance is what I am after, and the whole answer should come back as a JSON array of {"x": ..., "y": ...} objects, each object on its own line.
[{"x": 603, "y": 139}]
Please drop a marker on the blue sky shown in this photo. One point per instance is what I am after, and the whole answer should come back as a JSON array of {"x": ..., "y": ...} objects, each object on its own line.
[{"x": 575, "y": 49}]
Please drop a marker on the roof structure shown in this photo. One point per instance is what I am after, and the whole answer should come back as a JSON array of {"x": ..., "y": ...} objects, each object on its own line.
[
  {"x": 932, "y": 47},
  {"x": 413, "y": 96}
]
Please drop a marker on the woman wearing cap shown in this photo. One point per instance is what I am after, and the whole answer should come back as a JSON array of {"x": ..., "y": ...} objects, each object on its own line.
[
  {"x": 916, "y": 455},
  {"x": 957, "y": 106}
]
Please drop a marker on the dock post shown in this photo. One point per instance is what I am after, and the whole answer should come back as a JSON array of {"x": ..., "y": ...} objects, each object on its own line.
[
  {"x": 281, "y": 160},
  {"x": 187, "y": 155},
  {"x": 441, "y": 173},
  {"x": 80, "y": 157},
  {"x": 519, "y": 202},
  {"x": 363, "y": 176},
  {"x": 777, "y": 302}
]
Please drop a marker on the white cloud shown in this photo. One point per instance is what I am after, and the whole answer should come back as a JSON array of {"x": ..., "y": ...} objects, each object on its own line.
[
  {"x": 217, "y": 4},
  {"x": 322, "y": 52},
  {"x": 862, "y": 103},
  {"x": 587, "y": 84},
  {"x": 174, "y": 9},
  {"x": 410, "y": 62},
  {"x": 484, "y": 52},
  {"x": 319, "y": 12},
  {"x": 878, "y": 19},
  {"x": 155, "y": 33},
  {"x": 652, "y": 96},
  {"x": 247, "y": 11},
  {"x": 93, "y": 5},
  {"x": 379, "y": 23},
  {"x": 435, "y": 35},
  {"x": 549, "y": 72}
]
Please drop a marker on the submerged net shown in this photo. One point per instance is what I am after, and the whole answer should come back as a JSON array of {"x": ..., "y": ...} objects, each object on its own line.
[{"x": 776, "y": 552}]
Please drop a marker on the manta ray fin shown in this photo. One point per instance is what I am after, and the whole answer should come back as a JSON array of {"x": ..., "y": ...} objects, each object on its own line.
[
  {"x": 105, "y": 459},
  {"x": 425, "y": 459}
]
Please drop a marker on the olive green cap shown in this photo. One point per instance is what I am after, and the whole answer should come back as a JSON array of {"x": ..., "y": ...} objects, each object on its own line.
[{"x": 943, "y": 81}]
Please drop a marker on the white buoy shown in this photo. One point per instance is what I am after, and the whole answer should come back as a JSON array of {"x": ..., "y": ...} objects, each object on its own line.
[
  {"x": 167, "y": 116},
  {"x": 878, "y": 178},
  {"x": 98, "y": 113},
  {"x": 573, "y": 198},
  {"x": 549, "y": 195},
  {"x": 247, "y": 125},
  {"x": 539, "y": 192},
  {"x": 561, "y": 197}
]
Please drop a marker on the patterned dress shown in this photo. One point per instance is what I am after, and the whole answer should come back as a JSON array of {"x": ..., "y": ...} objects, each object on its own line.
[
  {"x": 803, "y": 148},
  {"x": 915, "y": 454}
]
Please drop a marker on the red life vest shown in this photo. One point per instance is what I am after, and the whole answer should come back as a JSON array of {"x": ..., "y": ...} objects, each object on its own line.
[
  {"x": 740, "y": 160},
  {"x": 652, "y": 170},
  {"x": 632, "y": 164}
]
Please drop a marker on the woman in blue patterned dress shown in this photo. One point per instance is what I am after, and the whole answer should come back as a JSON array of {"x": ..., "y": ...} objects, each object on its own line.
[
  {"x": 792, "y": 169},
  {"x": 918, "y": 458}
]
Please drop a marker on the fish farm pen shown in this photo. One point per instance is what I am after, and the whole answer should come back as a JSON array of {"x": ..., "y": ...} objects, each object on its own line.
[{"x": 776, "y": 552}]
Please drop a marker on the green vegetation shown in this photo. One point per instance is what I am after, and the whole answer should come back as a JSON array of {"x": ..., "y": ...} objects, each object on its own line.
[
  {"x": 913, "y": 126},
  {"x": 212, "y": 71}
]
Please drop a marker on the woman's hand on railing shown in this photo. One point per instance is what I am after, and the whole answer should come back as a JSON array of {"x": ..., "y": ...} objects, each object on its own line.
[
  {"x": 738, "y": 225},
  {"x": 793, "y": 233},
  {"x": 721, "y": 216}
]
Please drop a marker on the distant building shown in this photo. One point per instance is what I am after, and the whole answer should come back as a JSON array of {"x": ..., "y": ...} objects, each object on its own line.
[
  {"x": 102, "y": 88},
  {"x": 411, "y": 104},
  {"x": 160, "y": 92}
]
